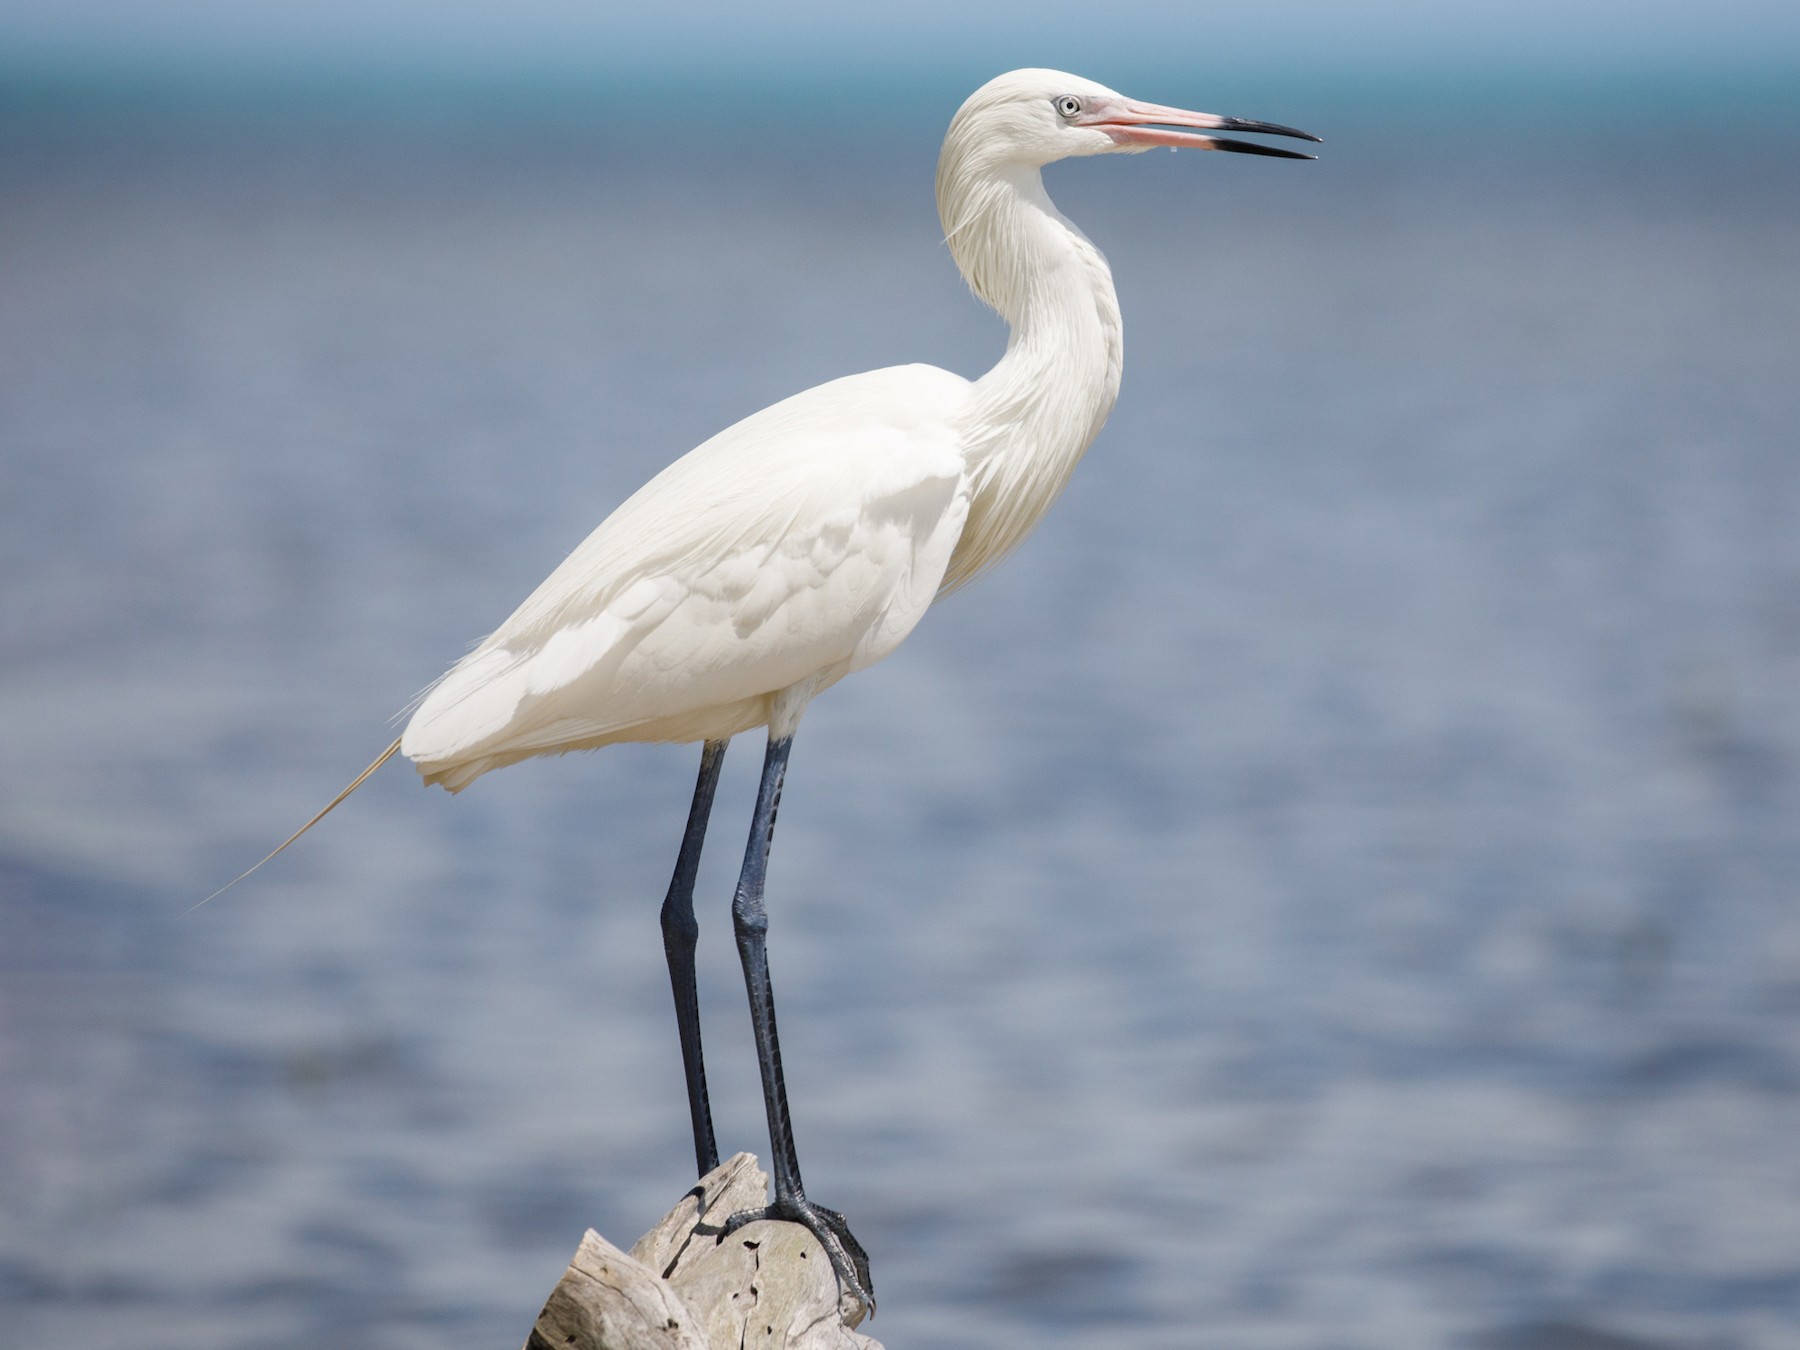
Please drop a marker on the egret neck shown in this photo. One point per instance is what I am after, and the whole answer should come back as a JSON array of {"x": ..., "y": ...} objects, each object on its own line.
[{"x": 1032, "y": 416}]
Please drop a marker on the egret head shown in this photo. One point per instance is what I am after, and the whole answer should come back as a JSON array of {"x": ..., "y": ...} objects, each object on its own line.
[
  {"x": 1036, "y": 116},
  {"x": 1015, "y": 124}
]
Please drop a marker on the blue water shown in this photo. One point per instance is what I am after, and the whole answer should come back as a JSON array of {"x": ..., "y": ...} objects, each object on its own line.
[{"x": 1336, "y": 887}]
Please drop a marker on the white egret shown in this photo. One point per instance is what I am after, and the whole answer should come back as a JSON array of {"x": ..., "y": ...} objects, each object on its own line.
[{"x": 805, "y": 542}]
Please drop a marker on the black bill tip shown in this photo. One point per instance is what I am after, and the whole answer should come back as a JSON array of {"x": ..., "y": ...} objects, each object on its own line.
[
  {"x": 1252, "y": 148},
  {"x": 1269, "y": 129}
]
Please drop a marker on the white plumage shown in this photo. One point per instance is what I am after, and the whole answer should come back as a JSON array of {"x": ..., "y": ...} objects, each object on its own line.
[
  {"x": 803, "y": 543},
  {"x": 806, "y": 541}
]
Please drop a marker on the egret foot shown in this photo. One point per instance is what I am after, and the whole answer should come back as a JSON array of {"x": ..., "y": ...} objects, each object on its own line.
[{"x": 848, "y": 1259}]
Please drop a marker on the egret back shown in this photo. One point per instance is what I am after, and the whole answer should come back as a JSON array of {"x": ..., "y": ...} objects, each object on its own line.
[{"x": 805, "y": 541}]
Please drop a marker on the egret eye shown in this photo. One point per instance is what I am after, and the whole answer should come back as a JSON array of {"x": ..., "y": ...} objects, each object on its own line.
[{"x": 1068, "y": 105}]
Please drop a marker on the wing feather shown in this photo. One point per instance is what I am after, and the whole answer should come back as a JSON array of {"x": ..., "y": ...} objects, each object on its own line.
[{"x": 804, "y": 541}]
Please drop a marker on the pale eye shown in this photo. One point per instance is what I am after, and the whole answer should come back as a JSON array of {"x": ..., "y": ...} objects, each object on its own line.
[{"x": 1068, "y": 105}]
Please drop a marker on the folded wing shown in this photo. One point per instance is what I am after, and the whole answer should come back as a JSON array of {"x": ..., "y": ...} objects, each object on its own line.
[{"x": 803, "y": 542}]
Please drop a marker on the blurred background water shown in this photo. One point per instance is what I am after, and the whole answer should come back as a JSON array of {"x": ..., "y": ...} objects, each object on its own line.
[{"x": 1334, "y": 888}]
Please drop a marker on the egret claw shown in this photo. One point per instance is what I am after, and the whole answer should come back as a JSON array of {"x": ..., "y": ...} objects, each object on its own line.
[{"x": 848, "y": 1259}]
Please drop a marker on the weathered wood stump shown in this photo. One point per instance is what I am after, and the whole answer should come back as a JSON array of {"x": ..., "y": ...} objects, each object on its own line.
[{"x": 769, "y": 1285}]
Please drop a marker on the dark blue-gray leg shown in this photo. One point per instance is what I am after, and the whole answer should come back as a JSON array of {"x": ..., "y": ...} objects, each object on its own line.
[
  {"x": 751, "y": 922},
  {"x": 680, "y": 933}
]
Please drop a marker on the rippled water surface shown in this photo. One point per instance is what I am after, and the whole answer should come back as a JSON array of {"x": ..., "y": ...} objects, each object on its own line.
[{"x": 1336, "y": 887}]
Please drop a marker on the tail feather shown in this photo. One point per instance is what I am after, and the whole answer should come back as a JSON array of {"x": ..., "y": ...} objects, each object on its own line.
[{"x": 330, "y": 806}]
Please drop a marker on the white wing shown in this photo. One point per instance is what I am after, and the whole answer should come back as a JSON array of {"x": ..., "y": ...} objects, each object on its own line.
[{"x": 804, "y": 542}]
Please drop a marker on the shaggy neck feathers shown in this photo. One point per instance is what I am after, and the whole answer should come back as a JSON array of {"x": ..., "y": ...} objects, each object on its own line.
[{"x": 1033, "y": 415}]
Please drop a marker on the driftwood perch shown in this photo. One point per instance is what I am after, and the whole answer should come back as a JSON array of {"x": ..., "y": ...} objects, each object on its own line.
[{"x": 769, "y": 1286}]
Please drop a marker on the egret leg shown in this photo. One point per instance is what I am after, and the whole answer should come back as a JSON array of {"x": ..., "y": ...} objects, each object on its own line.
[
  {"x": 751, "y": 923},
  {"x": 680, "y": 933}
]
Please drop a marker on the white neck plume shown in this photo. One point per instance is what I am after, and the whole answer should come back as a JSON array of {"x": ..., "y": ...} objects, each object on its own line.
[{"x": 1035, "y": 413}]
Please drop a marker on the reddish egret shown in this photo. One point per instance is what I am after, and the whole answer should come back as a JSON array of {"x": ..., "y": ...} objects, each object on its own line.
[{"x": 805, "y": 543}]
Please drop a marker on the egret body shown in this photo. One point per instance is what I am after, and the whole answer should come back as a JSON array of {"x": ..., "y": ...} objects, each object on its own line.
[{"x": 805, "y": 542}]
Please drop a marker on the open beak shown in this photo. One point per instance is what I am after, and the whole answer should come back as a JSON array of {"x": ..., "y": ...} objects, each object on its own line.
[{"x": 1149, "y": 124}]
